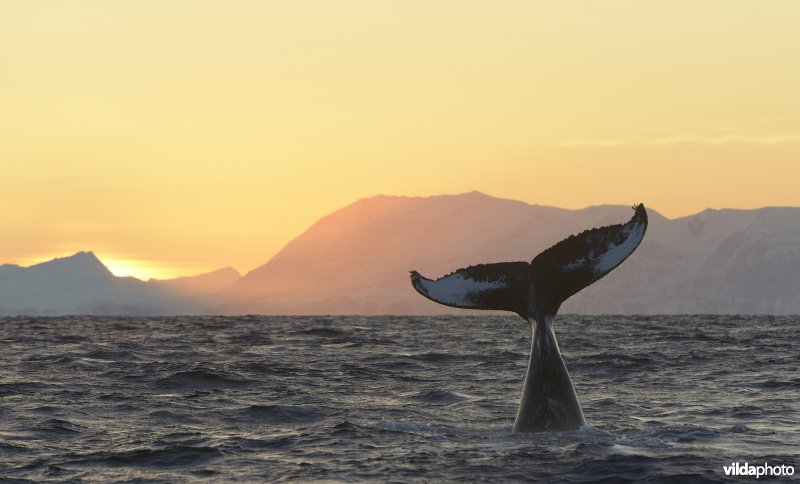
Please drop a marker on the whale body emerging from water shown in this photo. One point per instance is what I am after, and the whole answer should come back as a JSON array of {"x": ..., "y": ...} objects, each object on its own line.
[{"x": 535, "y": 291}]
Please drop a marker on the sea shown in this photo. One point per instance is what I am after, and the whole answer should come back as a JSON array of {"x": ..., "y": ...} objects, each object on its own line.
[{"x": 392, "y": 399}]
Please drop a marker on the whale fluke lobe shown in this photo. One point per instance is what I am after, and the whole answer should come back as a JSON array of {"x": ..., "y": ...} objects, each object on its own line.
[
  {"x": 501, "y": 286},
  {"x": 536, "y": 291},
  {"x": 580, "y": 260}
]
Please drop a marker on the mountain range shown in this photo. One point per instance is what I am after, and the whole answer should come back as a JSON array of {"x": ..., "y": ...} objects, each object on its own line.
[
  {"x": 357, "y": 259},
  {"x": 81, "y": 284}
]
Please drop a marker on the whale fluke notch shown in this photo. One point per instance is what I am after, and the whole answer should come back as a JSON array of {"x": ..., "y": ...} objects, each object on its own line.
[{"x": 536, "y": 291}]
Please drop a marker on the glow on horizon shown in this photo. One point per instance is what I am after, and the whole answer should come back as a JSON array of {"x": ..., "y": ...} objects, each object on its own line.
[
  {"x": 143, "y": 270},
  {"x": 194, "y": 135}
]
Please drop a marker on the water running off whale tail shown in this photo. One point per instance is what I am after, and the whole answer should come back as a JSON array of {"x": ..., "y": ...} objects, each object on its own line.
[{"x": 536, "y": 291}]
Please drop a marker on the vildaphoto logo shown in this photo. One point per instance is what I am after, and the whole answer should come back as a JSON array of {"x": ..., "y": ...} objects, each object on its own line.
[{"x": 737, "y": 469}]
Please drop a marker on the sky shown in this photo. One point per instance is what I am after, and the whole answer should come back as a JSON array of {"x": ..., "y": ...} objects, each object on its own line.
[{"x": 174, "y": 137}]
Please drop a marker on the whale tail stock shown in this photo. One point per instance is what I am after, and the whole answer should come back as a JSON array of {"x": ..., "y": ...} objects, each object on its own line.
[{"x": 537, "y": 289}]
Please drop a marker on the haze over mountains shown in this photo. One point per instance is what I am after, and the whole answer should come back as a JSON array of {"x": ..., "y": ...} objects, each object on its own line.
[
  {"x": 356, "y": 261},
  {"x": 81, "y": 284}
]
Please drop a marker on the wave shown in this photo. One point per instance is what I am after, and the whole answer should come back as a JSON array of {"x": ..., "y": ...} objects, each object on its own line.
[
  {"x": 21, "y": 388},
  {"x": 171, "y": 456},
  {"x": 281, "y": 414},
  {"x": 437, "y": 397},
  {"x": 201, "y": 379},
  {"x": 778, "y": 384},
  {"x": 58, "y": 427},
  {"x": 324, "y": 333}
]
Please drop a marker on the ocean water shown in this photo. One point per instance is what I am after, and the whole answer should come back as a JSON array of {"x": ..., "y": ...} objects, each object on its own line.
[{"x": 668, "y": 398}]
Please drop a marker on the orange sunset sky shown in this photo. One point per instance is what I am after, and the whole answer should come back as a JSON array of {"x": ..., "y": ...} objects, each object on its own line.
[{"x": 174, "y": 137}]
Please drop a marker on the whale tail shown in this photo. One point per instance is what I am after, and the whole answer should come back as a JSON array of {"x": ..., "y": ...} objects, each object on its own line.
[
  {"x": 535, "y": 291},
  {"x": 538, "y": 288}
]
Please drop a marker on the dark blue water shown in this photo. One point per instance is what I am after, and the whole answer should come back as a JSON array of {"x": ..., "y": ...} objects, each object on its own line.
[{"x": 390, "y": 398}]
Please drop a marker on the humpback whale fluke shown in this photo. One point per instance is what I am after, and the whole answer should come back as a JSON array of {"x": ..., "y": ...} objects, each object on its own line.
[{"x": 536, "y": 291}]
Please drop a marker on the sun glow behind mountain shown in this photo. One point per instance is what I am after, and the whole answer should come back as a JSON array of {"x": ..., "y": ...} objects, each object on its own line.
[
  {"x": 179, "y": 137},
  {"x": 122, "y": 267},
  {"x": 151, "y": 269},
  {"x": 142, "y": 270}
]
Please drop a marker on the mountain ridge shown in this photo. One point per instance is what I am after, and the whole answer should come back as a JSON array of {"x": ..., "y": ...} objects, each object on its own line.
[
  {"x": 312, "y": 274},
  {"x": 82, "y": 284},
  {"x": 355, "y": 260}
]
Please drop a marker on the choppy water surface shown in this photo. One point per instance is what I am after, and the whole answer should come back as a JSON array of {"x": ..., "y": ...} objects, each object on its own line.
[{"x": 390, "y": 398}]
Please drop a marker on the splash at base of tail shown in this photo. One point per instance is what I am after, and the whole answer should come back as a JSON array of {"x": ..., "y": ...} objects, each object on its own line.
[{"x": 536, "y": 291}]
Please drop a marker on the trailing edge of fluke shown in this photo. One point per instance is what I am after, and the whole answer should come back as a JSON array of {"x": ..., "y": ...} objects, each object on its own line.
[{"x": 536, "y": 291}]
